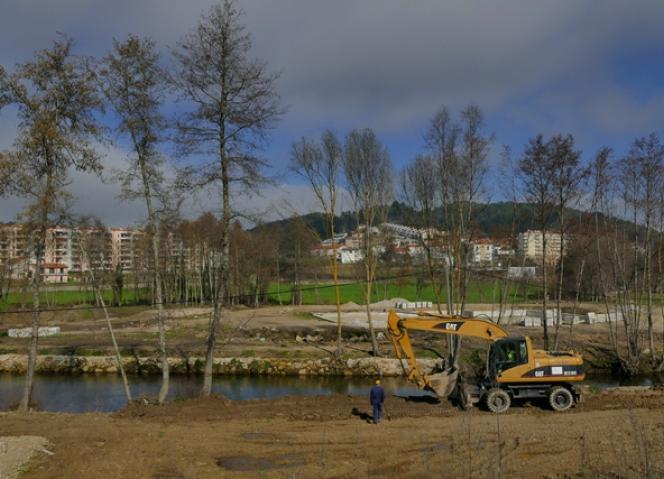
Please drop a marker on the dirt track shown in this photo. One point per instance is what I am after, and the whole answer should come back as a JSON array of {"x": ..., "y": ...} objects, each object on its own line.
[{"x": 613, "y": 434}]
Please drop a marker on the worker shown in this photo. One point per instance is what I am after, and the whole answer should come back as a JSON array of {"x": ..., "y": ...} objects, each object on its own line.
[
  {"x": 511, "y": 353},
  {"x": 376, "y": 399}
]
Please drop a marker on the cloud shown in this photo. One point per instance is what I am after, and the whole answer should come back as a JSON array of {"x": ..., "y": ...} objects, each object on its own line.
[
  {"x": 389, "y": 64},
  {"x": 383, "y": 63},
  {"x": 100, "y": 197}
]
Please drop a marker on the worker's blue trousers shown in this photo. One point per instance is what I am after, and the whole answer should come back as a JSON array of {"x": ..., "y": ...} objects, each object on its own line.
[{"x": 377, "y": 412}]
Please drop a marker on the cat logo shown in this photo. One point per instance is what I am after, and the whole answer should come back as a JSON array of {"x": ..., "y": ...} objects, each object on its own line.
[{"x": 452, "y": 326}]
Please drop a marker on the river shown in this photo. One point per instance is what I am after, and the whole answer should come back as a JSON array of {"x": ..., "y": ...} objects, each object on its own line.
[{"x": 104, "y": 393}]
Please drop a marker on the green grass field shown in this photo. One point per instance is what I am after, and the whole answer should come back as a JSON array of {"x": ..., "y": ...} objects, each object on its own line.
[
  {"x": 55, "y": 299},
  {"x": 478, "y": 292}
]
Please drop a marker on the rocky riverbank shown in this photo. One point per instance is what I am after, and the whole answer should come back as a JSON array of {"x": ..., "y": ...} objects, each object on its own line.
[{"x": 68, "y": 364}]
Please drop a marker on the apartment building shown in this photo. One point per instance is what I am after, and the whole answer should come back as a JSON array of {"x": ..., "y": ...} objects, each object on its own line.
[
  {"x": 530, "y": 245},
  {"x": 70, "y": 250},
  {"x": 13, "y": 243},
  {"x": 125, "y": 249}
]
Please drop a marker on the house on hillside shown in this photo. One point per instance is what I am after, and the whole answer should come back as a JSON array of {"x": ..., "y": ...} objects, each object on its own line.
[{"x": 348, "y": 255}]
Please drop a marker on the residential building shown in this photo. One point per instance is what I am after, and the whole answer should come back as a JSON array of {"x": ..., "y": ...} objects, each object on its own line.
[
  {"x": 64, "y": 253},
  {"x": 347, "y": 255},
  {"x": 126, "y": 248},
  {"x": 484, "y": 251},
  {"x": 54, "y": 273},
  {"x": 13, "y": 243},
  {"x": 531, "y": 246}
]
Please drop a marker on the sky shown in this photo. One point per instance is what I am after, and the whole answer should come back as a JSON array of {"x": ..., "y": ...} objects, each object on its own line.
[{"x": 593, "y": 69}]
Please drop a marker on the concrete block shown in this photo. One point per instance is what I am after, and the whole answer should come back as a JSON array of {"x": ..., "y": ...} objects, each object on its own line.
[{"x": 27, "y": 332}]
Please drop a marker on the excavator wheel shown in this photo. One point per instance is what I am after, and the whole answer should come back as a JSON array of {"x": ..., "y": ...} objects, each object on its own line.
[
  {"x": 560, "y": 398},
  {"x": 497, "y": 400}
]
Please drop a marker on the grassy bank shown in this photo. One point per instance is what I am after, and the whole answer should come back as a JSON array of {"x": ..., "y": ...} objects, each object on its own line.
[
  {"x": 59, "y": 298},
  {"x": 312, "y": 293},
  {"x": 478, "y": 292}
]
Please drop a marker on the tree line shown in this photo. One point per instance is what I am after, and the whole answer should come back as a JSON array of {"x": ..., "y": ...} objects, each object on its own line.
[
  {"x": 68, "y": 106},
  {"x": 227, "y": 102}
]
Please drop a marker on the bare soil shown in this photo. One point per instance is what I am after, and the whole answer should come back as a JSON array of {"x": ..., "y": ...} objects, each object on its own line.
[
  {"x": 618, "y": 433},
  {"x": 16, "y": 451},
  {"x": 264, "y": 332}
]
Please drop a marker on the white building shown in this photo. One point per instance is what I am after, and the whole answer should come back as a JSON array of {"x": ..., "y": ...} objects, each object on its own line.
[
  {"x": 64, "y": 251},
  {"x": 531, "y": 246},
  {"x": 347, "y": 255},
  {"x": 484, "y": 251},
  {"x": 521, "y": 272},
  {"x": 54, "y": 273}
]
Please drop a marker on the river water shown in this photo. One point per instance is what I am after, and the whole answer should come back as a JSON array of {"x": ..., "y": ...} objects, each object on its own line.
[{"x": 104, "y": 393}]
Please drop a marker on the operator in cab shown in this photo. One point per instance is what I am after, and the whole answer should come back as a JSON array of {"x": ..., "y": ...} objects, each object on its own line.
[{"x": 510, "y": 354}]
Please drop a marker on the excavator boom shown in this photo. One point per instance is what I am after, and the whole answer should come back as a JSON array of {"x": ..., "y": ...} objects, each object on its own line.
[{"x": 442, "y": 383}]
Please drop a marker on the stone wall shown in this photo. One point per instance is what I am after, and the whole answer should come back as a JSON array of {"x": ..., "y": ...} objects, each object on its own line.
[{"x": 63, "y": 364}]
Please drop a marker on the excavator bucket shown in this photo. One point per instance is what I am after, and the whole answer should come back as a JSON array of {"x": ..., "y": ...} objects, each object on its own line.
[{"x": 443, "y": 383}]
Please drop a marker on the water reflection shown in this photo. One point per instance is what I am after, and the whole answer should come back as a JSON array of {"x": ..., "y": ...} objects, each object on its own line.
[{"x": 104, "y": 393}]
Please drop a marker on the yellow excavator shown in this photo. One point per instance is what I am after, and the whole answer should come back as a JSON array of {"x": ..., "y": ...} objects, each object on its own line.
[{"x": 514, "y": 369}]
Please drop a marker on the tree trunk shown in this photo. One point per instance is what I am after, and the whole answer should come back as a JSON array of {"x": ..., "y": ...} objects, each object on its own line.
[
  {"x": 34, "y": 339},
  {"x": 36, "y": 283},
  {"x": 158, "y": 297},
  {"x": 576, "y": 302},
  {"x": 372, "y": 333},
  {"x": 432, "y": 276},
  {"x": 559, "y": 295},
  {"x": 223, "y": 268},
  {"x": 337, "y": 294},
  {"x": 116, "y": 348},
  {"x": 544, "y": 292}
]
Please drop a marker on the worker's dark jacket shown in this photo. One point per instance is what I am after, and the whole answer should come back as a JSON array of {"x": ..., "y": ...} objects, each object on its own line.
[{"x": 377, "y": 395}]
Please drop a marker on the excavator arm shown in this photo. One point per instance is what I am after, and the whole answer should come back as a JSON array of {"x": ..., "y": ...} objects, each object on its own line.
[{"x": 442, "y": 383}]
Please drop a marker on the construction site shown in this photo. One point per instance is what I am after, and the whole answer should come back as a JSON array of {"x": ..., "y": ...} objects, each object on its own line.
[
  {"x": 318, "y": 422},
  {"x": 314, "y": 239}
]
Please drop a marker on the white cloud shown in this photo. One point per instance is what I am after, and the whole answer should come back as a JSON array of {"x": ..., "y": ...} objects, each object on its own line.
[{"x": 387, "y": 64}]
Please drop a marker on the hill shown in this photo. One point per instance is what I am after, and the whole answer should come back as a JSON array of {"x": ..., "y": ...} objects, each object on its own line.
[{"x": 492, "y": 219}]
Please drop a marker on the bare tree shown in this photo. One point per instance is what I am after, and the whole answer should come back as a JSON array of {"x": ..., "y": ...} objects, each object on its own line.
[
  {"x": 368, "y": 174},
  {"x": 320, "y": 164},
  {"x": 537, "y": 179},
  {"x": 460, "y": 150},
  {"x": 232, "y": 106},
  {"x": 419, "y": 184},
  {"x": 643, "y": 174},
  {"x": 56, "y": 96},
  {"x": 95, "y": 253},
  {"x": 469, "y": 187},
  {"x": 567, "y": 177},
  {"x": 509, "y": 179},
  {"x": 134, "y": 84},
  {"x": 442, "y": 139}
]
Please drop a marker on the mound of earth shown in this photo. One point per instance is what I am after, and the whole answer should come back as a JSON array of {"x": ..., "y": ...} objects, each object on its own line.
[
  {"x": 16, "y": 451},
  {"x": 350, "y": 306},
  {"x": 388, "y": 303}
]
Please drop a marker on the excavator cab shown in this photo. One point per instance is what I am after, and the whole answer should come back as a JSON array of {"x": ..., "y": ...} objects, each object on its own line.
[{"x": 505, "y": 354}]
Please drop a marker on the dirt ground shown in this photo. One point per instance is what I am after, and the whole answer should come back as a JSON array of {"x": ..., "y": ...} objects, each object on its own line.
[
  {"x": 263, "y": 332},
  {"x": 618, "y": 433},
  {"x": 17, "y": 451}
]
